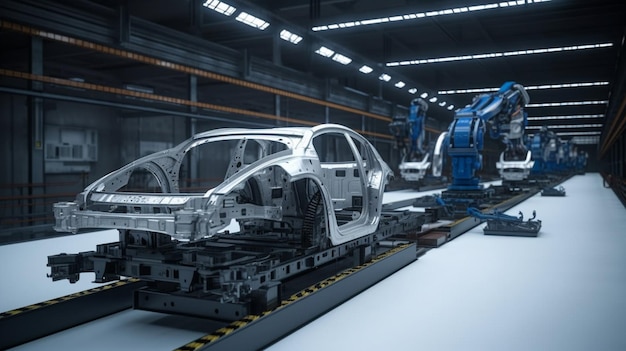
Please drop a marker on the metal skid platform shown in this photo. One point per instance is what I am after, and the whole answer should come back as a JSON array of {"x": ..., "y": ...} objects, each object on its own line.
[
  {"x": 328, "y": 287},
  {"x": 253, "y": 332}
]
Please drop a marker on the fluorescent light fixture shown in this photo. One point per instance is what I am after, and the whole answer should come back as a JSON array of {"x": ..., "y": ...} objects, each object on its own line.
[
  {"x": 420, "y": 15},
  {"x": 366, "y": 69},
  {"x": 344, "y": 60},
  {"x": 442, "y": 103},
  {"x": 450, "y": 107},
  {"x": 252, "y": 21},
  {"x": 585, "y": 140},
  {"x": 498, "y": 54},
  {"x": 424, "y": 95},
  {"x": 413, "y": 90},
  {"x": 324, "y": 51},
  {"x": 569, "y": 103},
  {"x": 290, "y": 37},
  {"x": 219, "y": 6},
  {"x": 139, "y": 88},
  {"x": 400, "y": 84},
  {"x": 564, "y": 117},
  {"x": 529, "y": 87},
  {"x": 385, "y": 77},
  {"x": 467, "y": 91},
  {"x": 565, "y": 126},
  {"x": 580, "y": 133},
  {"x": 433, "y": 99},
  {"x": 565, "y": 85}
]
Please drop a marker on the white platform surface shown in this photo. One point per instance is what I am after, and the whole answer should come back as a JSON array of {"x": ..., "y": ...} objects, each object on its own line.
[{"x": 564, "y": 290}]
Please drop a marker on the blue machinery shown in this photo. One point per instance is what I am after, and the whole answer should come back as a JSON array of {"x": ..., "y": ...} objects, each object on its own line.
[
  {"x": 544, "y": 146},
  {"x": 414, "y": 162},
  {"x": 499, "y": 223},
  {"x": 552, "y": 155},
  {"x": 503, "y": 114}
]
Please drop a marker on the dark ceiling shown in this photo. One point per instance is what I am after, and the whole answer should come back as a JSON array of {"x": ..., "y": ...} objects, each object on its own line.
[
  {"x": 521, "y": 26},
  {"x": 525, "y": 26}
]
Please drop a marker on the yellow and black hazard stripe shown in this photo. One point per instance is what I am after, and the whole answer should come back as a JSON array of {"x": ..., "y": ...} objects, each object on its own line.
[
  {"x": 245, "y": 321},
  {"x": 67, "y": 298}
]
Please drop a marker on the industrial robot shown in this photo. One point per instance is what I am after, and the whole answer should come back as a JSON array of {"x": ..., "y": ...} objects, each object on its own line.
[
  {"x": 414, "y": 158},
  {"x": 502, "y": 113},
  {"x": 541, "y": 146}
]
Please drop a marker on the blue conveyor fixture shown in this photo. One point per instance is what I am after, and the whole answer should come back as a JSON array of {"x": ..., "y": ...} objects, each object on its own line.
[{"x": 499, "y": 223}]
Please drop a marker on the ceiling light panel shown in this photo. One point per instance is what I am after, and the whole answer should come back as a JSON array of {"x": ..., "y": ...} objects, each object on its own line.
[
  {"x": 585, "y": 140},
  {"x": 413, "y": 90},
  {"x": 385, "y": 77},
  {"x": 498, "y": 54},
  {"x": 324, "y": 51},
  {"x": 400, "y": 84},
  {"x": 565, "y": 126},
  {"x": 366, "y": 69},
  {"x": 569, "y": 103},
  {"x": 419, "y": 15},
  {"x": 529, "y": 87},
  {"x": 290, "y": 37},
  {"x": 252, "y": 21},
  {"x": 344, "y": 60},
  {"x": 220, "y": 7},
  {"x": 580, "y": 133},
  {"x": 564, "y": 117}
]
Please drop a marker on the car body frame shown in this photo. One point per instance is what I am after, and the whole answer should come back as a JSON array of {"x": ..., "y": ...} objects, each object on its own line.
[{"x": 275, "y": 179}]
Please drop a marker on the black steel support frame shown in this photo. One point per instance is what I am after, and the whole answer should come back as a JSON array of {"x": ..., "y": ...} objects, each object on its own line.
[{"x": 305, "y": 306}]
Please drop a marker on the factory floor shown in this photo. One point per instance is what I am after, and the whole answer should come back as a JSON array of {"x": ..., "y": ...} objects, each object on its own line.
[{"x": 562, "y": 290}]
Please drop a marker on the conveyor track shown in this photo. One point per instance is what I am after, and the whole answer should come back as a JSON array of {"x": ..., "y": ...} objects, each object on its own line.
[
  {"x": 44, "y": 318},
  {"x": 293, "y": 312},
  {"x": 256, "y": 331}
]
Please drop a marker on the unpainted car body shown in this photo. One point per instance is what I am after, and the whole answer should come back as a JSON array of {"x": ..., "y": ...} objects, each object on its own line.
[{"x": 325, "y": 182}]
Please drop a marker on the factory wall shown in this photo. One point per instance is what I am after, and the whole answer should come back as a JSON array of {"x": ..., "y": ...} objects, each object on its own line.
[
  {"x": 13, "y": 141},
  {"x": 117, "y": 137}
]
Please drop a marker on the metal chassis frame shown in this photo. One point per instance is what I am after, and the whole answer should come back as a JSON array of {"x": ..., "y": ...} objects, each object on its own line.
[{"x": 256, "y": 332}]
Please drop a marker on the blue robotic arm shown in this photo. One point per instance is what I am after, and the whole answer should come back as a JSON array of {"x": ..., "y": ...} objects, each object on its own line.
[
  {"x": 540, "y": 149},
  {"x": 417, "y": 120},
  {"x": 414, "y": 158},
  {"x": 502, "y": 113}
]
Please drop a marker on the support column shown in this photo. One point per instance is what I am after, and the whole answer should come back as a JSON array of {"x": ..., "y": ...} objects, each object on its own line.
[
  {"x": 277, "y": 60},
  {"x": 277, "y": 107},
  {"x": 123, "y": 22},
  {"x": 195, "y": 16},
  {"x": 276, "y": 52},
  {"x": 245, "y": 64},
  {"x": 35, "y": 134},
  {"x": 193, "y": 125}
]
